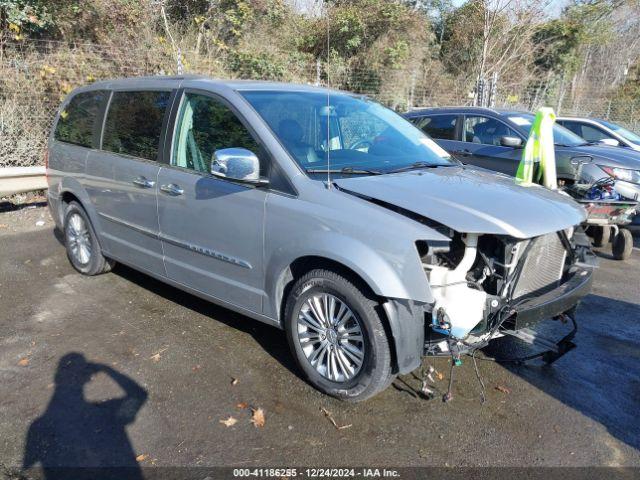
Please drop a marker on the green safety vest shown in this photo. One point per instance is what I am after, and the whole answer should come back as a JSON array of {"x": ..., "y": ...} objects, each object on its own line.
[{"x": 539, "y": 150}]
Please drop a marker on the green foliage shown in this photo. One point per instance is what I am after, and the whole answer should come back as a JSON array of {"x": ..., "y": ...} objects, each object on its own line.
[
  {"x": 559, "y": 40},
  {"x": 462, "y": 38},
  {"x": 89, "y": 20},
  {"x": 356, "y": 25},
  {"x": 22, "y": 17},
  {"x": 397, "y": 54},
  {"x": 248, "y": 65},
  {"x": 593, "y": 18}
]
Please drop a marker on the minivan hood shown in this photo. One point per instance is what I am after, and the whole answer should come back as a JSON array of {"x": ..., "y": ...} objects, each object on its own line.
[
  {"x": 471, "y": 201},
  {"x": 607, "y": 155}
]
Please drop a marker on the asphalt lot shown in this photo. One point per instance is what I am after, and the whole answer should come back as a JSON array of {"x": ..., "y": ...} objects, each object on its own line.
[{"x": 176, "y": 356}]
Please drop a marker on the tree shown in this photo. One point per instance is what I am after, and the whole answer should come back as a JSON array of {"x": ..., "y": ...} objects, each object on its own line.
[{"x": 483, "y": 38}]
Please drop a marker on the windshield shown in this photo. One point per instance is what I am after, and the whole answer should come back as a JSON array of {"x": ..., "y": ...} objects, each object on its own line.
[
  {"x": 358, "y": 135},
  {"x": 623, "y": 132},
  {"x": 561, "y": 135}
]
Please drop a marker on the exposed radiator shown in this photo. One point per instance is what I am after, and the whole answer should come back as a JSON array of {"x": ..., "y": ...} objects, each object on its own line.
[{"x": 543, "y": 266}]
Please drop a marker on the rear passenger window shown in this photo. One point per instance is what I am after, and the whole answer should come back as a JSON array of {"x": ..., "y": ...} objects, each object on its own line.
[
  {"x": 134, "y": 123},
  {"x": 439, "y": 126},
  {"x": 77, "y": 121}
]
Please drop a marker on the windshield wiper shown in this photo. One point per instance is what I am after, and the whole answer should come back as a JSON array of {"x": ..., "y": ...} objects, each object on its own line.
[
  {"x": 417, "y": 165},
  {"x": 345, "y": 171}
]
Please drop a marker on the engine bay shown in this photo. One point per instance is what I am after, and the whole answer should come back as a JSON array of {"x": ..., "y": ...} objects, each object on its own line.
[{"x": 479, "y": 280}]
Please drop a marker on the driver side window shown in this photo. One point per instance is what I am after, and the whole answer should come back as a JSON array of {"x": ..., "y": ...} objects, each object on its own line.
[
  {"x": 485, "y": 130},
  {"x": 205, "y": 125}
]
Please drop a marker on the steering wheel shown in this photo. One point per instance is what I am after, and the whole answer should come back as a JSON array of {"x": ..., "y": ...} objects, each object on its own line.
[{"x": 361, "y": 144}]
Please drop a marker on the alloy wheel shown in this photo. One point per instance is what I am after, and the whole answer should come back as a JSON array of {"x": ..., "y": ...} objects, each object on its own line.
[
  {"x": 331, "y": 337},
  {"x": 79, "y": 239}
]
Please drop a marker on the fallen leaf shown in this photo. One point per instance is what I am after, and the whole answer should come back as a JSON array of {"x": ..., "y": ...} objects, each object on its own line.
[
  {"x": 502, "y": 389},
  {"x": 142, "y": 457},
  {"x": 229, "y": 422},
  {"x": 234, "y": 381},
  {"x": 156, "y": 356},
  {"x": 242, "y": 405},
  {"x": 2, "y": 225},
  {"x": 440, "y": 376},
  {"x": 195, "y": 368},
  {"x": 258, "y": 417},
  {"x": 24, "y": 362}
]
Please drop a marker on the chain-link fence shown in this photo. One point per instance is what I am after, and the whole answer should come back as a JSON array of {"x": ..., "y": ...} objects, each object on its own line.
[{"x": 36, "y": 75}]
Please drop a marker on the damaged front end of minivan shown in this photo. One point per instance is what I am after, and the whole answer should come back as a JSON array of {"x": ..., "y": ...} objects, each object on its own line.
[{"x": 487, "y": 286}]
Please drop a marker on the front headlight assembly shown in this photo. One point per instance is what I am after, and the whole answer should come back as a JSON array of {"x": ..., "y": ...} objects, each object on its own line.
[{"x": 623, "y": 174}]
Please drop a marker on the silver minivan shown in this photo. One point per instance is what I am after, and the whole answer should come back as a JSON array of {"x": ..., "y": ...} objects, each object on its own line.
[{"x": 316, "y": 211}]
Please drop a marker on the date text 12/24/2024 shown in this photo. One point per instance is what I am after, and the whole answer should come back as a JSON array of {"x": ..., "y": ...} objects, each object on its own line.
[{"x": 316, "y": 472}]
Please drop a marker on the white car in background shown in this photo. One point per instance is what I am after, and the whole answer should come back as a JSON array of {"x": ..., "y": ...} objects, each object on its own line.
[{"x": 601, "y": 131}]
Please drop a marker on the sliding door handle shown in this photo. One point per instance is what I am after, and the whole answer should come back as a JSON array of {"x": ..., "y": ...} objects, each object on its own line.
[
  {"x": 172, "y": 189},
  {"x": 143, "y": 182}
]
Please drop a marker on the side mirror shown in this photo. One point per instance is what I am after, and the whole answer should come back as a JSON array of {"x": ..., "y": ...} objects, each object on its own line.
[
  {"x": 612, "y": 142},
  {"x": 237, "y": 164},
  {"x": 513, "y": 142}
]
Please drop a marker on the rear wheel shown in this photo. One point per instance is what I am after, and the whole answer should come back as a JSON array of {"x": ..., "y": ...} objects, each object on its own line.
[
  {"x": 622, "y": 244},
  {"x": 337, "y": 336},
  {"x": 83, "y": 249}
]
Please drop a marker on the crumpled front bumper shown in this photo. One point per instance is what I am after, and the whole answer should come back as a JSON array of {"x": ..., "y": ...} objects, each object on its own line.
[{"x": 409, "y": 321}]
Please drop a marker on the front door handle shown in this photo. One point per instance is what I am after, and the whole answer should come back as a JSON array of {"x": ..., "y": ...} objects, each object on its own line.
[
  {"x": 172, "y": 189},
  {"x": 143, "y": 182}
]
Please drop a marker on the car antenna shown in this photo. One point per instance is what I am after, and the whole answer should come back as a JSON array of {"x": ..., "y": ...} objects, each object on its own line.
[{"x": 328, "y": 102}]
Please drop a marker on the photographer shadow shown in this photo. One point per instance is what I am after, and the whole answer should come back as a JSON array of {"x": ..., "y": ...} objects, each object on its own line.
[{"x": 75, "y": 438}]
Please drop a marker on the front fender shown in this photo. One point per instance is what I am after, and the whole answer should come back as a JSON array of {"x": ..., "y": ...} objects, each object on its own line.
[{"x": 387, "y": 275}]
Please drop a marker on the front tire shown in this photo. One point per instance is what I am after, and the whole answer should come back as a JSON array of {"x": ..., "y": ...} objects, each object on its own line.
[
  {"x": 337, "y": 336},
  {"x": 83, "y": 249}
]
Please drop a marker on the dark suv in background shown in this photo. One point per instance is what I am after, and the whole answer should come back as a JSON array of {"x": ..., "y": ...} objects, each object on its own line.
[{"x": 494, "y": 139}]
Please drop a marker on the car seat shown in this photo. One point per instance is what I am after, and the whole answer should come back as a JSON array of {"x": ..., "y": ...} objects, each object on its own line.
[{"x": 291, "y": 134}]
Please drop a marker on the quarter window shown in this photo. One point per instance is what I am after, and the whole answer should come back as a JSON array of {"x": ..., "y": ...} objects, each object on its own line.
[
  {"x": 77, "y": 121},
  {"x": 439, "y": 126},
  {"x": 206, "y": 125},
  {"x": 485, "y": 130},
  {"x": 134, "y": 123}
]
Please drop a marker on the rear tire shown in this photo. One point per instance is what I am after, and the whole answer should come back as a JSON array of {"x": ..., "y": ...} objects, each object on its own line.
[
  {"x": 622, "y": 244},
  {"x": 601, "y": 236},
  {"x": 83, "y": 250},
  {"x": 337, "y": 336}
]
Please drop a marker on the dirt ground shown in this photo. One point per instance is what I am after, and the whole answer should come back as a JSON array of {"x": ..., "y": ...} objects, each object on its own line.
[{"x": 127, "y": 371}]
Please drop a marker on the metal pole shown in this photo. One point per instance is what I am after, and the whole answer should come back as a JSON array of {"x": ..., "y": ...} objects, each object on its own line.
[{"x": 180, "y": 68}]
